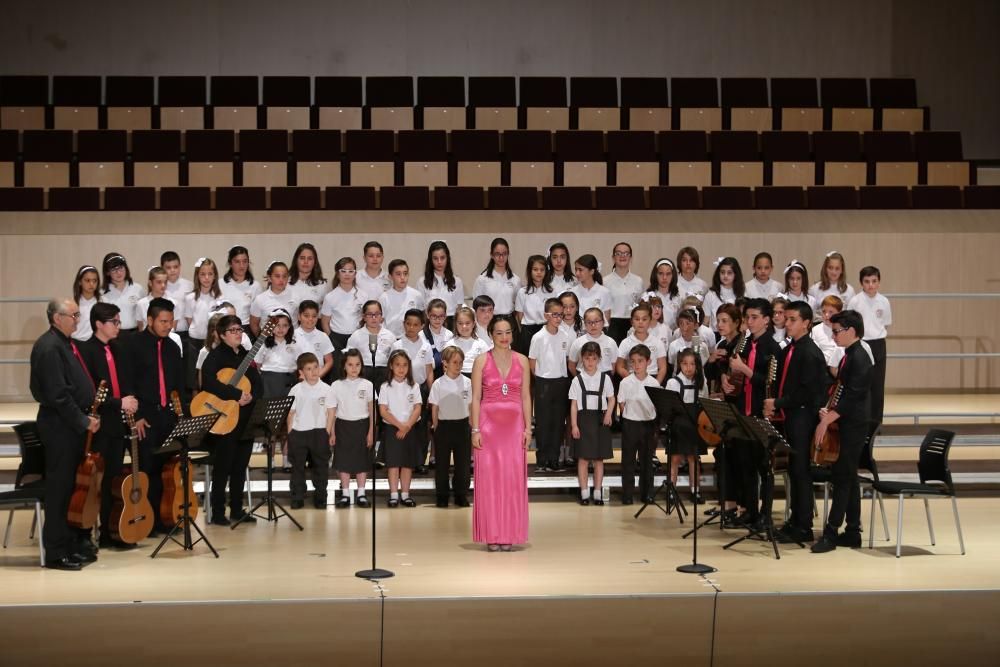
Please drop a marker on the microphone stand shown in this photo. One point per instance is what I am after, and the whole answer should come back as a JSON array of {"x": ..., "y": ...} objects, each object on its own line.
[{"x": 374, "y": 572}]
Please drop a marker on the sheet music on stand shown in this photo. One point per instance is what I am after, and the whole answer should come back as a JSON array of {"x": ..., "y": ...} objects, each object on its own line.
[
  {"x": 765, "y": 432},
  {"x": 725, "y": 419}
]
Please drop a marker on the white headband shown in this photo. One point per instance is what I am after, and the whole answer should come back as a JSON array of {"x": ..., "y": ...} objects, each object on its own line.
[
  {"x": 201, "y": 260},
  {"x": 665, "y": 261},
  {"x": 794, "y": 263},
  {"x": 832, "y": 252},
  {"x": 84, "y": 269},
  {"x": 718, "y": 260}
]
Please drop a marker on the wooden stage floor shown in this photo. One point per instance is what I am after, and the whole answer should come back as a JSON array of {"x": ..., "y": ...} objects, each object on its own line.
[{"x": 584, "y": 566}]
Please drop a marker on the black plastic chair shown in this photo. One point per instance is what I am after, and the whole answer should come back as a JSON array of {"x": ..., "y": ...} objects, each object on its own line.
[
  {"x": 935, "y": 482},
  {"x": 29, "y": 484}
]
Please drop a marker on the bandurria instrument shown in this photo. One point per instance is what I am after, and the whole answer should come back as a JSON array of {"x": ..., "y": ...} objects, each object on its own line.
[
  {"x": 736, "y": 378},
  {"x": 85, "y": 504},
  {"x": 205, "y": 403},
  {"x": 828, "y": 451}
]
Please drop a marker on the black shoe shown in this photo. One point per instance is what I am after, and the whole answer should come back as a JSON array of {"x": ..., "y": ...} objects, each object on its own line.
[
  {"x": 343, "y": 502},
  {"x": 242, "y": 516},
  {"x": 584, "y": 501},
  {"x": 86, "y": 546},
  {"x": 823, "y": 545},
  {"x": 697, "y": 499},
  {"x": 393, "y": 502},
  {"x": 441, "y": 502},
  {"x": 627, "y": 500},
  {"x": 849, "y": 539},
  {"x": 362, "y": 501},
  {"x": 789, "y": 534},
  {"x": 461, "y": 501},
  {"x": 64, "y": 563},
  {"x": 219, "y": 519},
  {"x": 599, "y": 502},
  {"x": 320, "y": 502},
  {"x": 83, "y": 557},
  {"x": 298, "y": 504},
  {"x": 108, "y": 542},
  {"x": 409, "y": 502}
]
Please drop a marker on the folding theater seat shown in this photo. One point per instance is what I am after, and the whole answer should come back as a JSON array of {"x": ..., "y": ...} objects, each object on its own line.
[
  {"x": 686, "y": 156},
  {"x": 736, "y": 156},
  {"x": 529, "y": 154},
  {"x": 339, "y": 103},
  {"x": 633, "y": 159},
  {"x": 389, "y": 102},
  {"x": 182, "y": 101},
  {"x": 287, "y": 100},
  {"x": 76, "y": 102},
  {"x": 787, "y": 159},
  {"x": 210, "y": 156},
  {"x": 845, "y": 102},
  {"x": 745, "y": 105},
  {"x": 23, "y": 100},
  {"x": 892, "y": 157},
  {"x": 476, "y": 156},
  {"x": 441, "y": 102},
  {"x": 646, "y": 103},
  {"x": 696, "y": 104},
  {"x": 129, "y": 101},
  {"x": 424, "y": 157},
  {"x": 156, "y": 156},
  {"x": 798, "y": 104},
  {"x": 234, "y": 102},
  {"x": 838, "y": 154},
  {"x": 543, "y": 103},
  {"x": 493, "y": 102},
  {"x": 594, "y": 103},
  {"x": 371, "y": 155}
]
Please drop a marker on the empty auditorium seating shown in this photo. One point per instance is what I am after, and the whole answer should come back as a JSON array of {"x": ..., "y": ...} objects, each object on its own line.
[
  {"x": 633, "y": 159},
  {"x": 156, "y": 158},
  {"x": 441, "y": 102},
  {"x": 129, "y": 101},
  {"x": 8, "y": 158},
  {"x": 264, "y": 158},
  {"x": 47, "y": 157},
  {"x": 838, "y": 155},
  {"x": 686, "y": 155},
  {"x": 102, "y": 155},
  {"x": 339, "y": 102},
  {"x": 529, "y": 154},
  {"x": 543, "y": 103},
  {"x": 787, "y": 159},
  {"x": 76, "y": 101},
  {"x": 581, "y": 159},
  {"x": 317, "y": 157},
  {"x": 845, "y": 102},
  {"x": 737, "y": 159},
  {"x": 476, "y": 155},
  {"x": 424, "y": 157},
  {"x": 797, "y": 104},
  {"x": 493, "y": 102},
  {"x": 696, "y": 104},
  {"x": 371, "y": 154},
  {"x": 745, "y": 105},
  {"x": 646, "y": 102},
  {"x": 210, "y": 157},
  {"x": 594, "y": 103},
  {"x": 23, "y": 100},
  {"x": 182, "y": 102},
  {"x": 389, "y": 102},
  {"x": 287, "y": 101}
]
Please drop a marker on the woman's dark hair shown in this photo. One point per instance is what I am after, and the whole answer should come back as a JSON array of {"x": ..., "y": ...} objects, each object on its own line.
[
  {"x": 590, "y": 262},
  {"x": 488, "y": 271},
  {"x": 224, "y": 322},
  {"x": 449, "y": 273},
  {"x": 567, "y": 273},
  {"x": 509, "y": 319},
  {"x": 396, "y": 354},
  {"x": 78, "y": 281},
  {"x": 529, "y": 284},
  {"x": 316, "y": 277},
  {"x": 654, "y": 284},
  {"x": 350, "y": 353},
  {"x": 111, "y": 260},
  {"x": 235, "y": 252},
  {"x": 739, "y": 288}
]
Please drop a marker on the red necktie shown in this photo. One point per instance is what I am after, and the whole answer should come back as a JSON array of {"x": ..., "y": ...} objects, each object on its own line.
[
  {"x": 76, "y": 353},
  {"x": 113, "y": 372},
  {"x": 747, "y": 386},
  {"x": 784, "y": 374},
  {"x": 163, "y": 384}
]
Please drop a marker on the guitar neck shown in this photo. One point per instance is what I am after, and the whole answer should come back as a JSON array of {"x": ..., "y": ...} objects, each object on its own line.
[
  {"x": 247, "y": 360},
  {"x": 135, "y": 453}
]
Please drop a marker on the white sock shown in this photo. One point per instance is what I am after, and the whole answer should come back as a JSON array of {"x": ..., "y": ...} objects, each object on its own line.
[
  {"x": 361, "y": 494},
  {"x": 597, "y": 494},
  {"x": 584, "y": 494},
  {"x": 404, "y": 495}
]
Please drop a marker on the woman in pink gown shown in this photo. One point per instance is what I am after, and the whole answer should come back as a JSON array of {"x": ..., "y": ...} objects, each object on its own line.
[{"x": 501, "y": 433}]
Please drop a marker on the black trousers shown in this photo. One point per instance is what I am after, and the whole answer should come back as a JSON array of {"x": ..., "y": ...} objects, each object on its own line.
[
  {"x": 232, "y": 455},
  {"x": 524, "y": 335},
  {"x": 551, "y": 407},
  {"x": 877, "y": 402},
  {"x": 315, "y": 445},
  {"x": 63, "y": 449},
  {"x": 746, "y": 460},
  {"x": 112, "y": 451},
  {"x": 800, "y": 424},
  {"x": 638, "y": 438},
  {"x": 452, "y": 438},
  {"x": 161, "y": 423},
  {"x": 845, "y": 501}
]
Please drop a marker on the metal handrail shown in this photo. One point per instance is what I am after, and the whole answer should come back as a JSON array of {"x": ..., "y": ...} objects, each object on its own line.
[
  {"x": 917, "y": 416},
  {"x": 944, "y": 295}
]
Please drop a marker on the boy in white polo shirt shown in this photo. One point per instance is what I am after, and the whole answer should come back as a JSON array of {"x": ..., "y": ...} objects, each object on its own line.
[{"x": 877, "y": 316}]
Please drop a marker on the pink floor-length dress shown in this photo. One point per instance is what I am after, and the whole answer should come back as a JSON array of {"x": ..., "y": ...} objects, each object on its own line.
[{"x": 500, "y": 507}]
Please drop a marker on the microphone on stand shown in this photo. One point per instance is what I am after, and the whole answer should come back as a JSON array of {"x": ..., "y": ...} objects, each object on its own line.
[{"x": 373, "y": 346}]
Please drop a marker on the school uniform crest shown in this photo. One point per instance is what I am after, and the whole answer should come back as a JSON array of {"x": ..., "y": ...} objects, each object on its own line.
[
  {"x": 465, "y": 394},
  {"x": 322, "y": 400},
  {"x": 363, "y": 394},
  {"x": 409, "y": 398}
]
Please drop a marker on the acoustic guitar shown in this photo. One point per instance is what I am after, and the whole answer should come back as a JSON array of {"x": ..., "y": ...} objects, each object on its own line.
[
  {"x": 206, "y": 403},
  {"x": 827, "y": 452},
  {"x": 85, "y": 504},
  {"x": 172, "y": 501},
  {"x": 131, "y": 513}
]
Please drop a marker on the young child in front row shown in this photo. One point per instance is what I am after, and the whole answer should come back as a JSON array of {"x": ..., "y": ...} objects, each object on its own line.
[
  {"x": 421, "y": 356},
  {"x": 308, "y": 436},
  {"x": 591, "y": 410},
  {"x": 685, "y": 441},
  {"x": 450, "y": 397},
  {"x": 400, "y": 407},
  {"x": 638, "y": 425},
  {"x": 351, "y": 424}
]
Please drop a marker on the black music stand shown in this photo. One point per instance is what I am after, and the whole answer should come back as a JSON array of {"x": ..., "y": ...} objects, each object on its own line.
[
  {"x": 767, "y": 440},
  {"x": 184, "y": 429},
  {"x": 725, "y": 420},
  {"x": 374, "y": 572},
  {"x": 267, "y": 418},
  {"x": 667, "y": 403}
]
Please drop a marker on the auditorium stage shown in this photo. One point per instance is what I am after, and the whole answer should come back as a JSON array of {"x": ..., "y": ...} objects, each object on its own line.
[{"x": 593, "y": 584}]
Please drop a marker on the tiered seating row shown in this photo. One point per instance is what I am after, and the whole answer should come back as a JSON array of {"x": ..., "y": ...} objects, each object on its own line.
[
  {"x": 499, "y": 198},
  {"x": 478, "y": 158},
  {"x": 451, "y": 103}
]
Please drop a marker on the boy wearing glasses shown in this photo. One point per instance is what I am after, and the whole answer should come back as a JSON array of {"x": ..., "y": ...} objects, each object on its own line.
[
  {"x": 547, "y": 356},
  {"x": 851, "y": 413}
]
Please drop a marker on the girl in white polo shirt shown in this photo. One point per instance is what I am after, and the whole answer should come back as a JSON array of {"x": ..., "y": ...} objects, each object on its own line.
[{"x": 497, "y": 281}]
